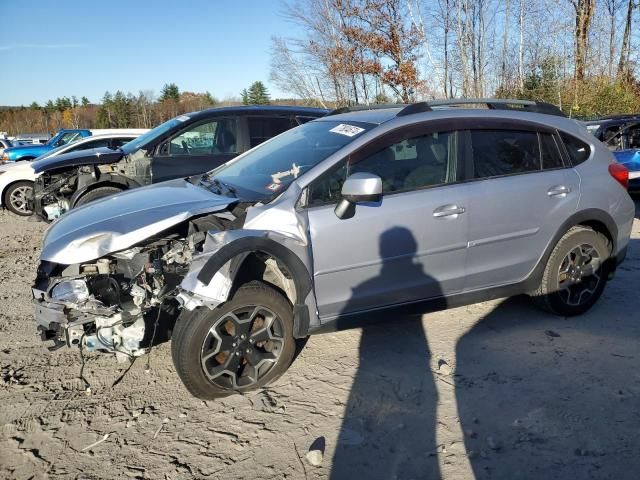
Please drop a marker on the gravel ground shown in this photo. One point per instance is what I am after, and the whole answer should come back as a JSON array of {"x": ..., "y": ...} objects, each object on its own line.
[{"x": 497, "y": 390}]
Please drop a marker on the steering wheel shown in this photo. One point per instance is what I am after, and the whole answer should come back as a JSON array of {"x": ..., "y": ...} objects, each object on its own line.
[{"x": 185, "y": 147}]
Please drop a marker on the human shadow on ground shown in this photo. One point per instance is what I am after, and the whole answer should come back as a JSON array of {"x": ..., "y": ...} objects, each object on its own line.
[
  {"x": 388, "y": 429},
  {"x": 542, "y": 396}
]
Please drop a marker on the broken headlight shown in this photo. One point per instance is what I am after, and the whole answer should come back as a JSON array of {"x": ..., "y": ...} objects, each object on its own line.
[{"x": 73, "y": 291}]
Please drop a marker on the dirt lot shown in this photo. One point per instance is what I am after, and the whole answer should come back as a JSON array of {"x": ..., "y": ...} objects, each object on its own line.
[{"x": 496, "y": 390}]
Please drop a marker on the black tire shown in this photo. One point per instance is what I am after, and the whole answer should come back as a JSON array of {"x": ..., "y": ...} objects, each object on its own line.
[
  {"x": 95, "y": 194},
  {"x": 558, "y": 292},
  {"x": 15, "y": 198},
  {"x": 195, "y": 346}
]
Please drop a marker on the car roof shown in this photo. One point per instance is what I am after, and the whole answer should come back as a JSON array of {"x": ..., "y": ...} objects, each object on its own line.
[
  {"x": 106, "y": 135},
  {"x": 440, "y": 112},
  {"x": 259, "y": 110}
]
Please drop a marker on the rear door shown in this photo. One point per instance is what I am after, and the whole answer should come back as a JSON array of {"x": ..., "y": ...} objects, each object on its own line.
[
  {"x": 198, "y": 148},
  {"x": 520, "y": 193}
]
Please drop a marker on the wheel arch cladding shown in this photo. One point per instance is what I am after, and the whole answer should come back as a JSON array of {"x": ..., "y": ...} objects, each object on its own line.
[
  {"x": 246, "y": 245},
  {"x": 596, "y": 219}
]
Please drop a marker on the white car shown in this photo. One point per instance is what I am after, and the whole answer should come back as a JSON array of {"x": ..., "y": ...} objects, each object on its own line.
[{"x": 16, "y": 179}]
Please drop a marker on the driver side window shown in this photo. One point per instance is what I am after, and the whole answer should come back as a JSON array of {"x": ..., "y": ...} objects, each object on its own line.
[
  {"x": 410, "y": 164},
  {"x": 209, "y": 138}
]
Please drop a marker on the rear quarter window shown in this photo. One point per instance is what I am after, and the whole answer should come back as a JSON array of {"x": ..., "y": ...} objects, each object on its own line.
[{"x": 578, "y": 150}]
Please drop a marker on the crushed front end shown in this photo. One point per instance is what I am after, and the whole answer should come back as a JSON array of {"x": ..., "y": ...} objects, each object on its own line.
[{"x": 109, "y": 305}]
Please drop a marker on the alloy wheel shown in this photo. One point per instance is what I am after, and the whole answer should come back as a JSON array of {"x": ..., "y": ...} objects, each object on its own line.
[
  {"x": 19, "y": 199},
  {"x": 579, "y": 274},
  {"x": 242, "y": 347}
]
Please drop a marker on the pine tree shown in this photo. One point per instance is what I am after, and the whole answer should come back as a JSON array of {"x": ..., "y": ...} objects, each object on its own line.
[
  {"x": 104, "y": 119},
  {"x": 170, "y": 91},
  {"x": 245, "y": 96},
  {"x": 258, "y": 94},
  {"x": 85, "y": 101}
]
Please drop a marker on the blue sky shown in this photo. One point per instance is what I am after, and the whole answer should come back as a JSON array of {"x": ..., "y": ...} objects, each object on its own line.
[{"x": 51, "y": 49}]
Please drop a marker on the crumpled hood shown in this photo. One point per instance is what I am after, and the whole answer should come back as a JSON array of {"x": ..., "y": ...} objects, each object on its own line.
[
  {"x": 94, "y": 156},
  {"x": 125, "y": 219}
]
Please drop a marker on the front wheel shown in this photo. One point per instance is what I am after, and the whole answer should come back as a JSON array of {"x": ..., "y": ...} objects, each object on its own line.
[
  {"x": 244, "y": 344},
  {"x": 575, "y": 274},
  {"x": 16, "y": 198},
  {"x": 96, "y": 194}
]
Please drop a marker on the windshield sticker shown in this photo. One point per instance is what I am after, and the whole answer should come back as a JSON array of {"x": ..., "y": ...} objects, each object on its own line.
[
  {"x": 274, "y": 187},
  {"x": 182, "y": 118},
  {"x": 348, "y": 130}
]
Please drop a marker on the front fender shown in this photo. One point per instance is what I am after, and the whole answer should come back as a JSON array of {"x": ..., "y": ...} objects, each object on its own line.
[
  {"x": 95, "y": 179},
  {"x": 210, "y": 278}
]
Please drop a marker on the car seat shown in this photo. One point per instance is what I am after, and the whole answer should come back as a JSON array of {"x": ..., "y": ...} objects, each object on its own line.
[{"x": 432, "y": 156}]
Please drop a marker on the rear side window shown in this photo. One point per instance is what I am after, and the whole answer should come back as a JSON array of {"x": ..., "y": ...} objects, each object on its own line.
[
  {"x": 504, "y": 152},
  {"x": 578, "y": 150},
  {"x": 551, "y": 157},
  {"x": 263, "y": 128}
]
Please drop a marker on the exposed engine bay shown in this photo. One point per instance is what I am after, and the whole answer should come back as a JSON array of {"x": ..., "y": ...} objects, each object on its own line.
[
  {"x": 57, "y": 191},
  {"x": 114, "y": 304}
]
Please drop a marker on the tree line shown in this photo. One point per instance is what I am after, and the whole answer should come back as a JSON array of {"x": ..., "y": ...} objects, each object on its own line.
[
  {"x": 120, "y": 110},
  {"x": 578, "y": 54}
]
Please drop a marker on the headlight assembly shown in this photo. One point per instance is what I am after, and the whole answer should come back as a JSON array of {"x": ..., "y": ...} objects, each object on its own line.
[{"x": 73, "y": 291}]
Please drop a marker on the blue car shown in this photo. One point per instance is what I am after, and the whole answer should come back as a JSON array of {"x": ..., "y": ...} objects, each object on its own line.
[
  {"x": 621, "y": 134},
  {"x": 29, "y": 152}
]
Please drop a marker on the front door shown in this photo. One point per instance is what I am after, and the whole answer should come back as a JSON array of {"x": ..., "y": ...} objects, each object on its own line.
[
  {"x": 197, "y": 149},
  {"x": 408, "y": 247}
]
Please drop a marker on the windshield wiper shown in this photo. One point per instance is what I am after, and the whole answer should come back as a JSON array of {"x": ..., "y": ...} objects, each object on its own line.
[{"x": 220, "y": 185}]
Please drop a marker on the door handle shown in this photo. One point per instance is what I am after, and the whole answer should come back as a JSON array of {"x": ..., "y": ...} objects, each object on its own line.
[
  {"x": 448, "y": 211},
  {"x": 558, "y": 191}
]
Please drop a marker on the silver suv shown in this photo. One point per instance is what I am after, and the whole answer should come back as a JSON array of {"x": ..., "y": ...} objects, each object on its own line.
[{"x": 334, "y": 222}]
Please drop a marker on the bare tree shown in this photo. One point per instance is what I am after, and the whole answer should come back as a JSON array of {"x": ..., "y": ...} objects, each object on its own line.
[
  {"x": 584, "y": 10},
  {"x": 625, "y": 50}
]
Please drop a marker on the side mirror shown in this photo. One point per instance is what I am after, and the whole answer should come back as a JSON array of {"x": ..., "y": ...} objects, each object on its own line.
[{"x": 357, "y": 188}]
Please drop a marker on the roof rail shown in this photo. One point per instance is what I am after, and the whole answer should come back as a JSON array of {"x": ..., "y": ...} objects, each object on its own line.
[
  {"x": 358, "y": 108},
  {"x": 415, "y": 108},
  {"x": 502, "y": 104}
]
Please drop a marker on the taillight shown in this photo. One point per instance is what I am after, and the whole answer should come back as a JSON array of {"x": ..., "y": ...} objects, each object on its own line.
[{"x": 620, "y": 173}]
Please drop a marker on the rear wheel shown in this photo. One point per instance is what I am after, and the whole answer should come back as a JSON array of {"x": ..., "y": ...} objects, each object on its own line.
[
  {"x": 96, "y": 194},
  {"x": 16, "y": 198},
  {"x": 575, "y": 275},
  {"x": 244, "y": 344}
]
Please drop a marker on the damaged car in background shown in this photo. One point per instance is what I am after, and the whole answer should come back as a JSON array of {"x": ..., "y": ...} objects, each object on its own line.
[
  {"x": 186, "y": 145},
  {"x": 331, "y": 223}
]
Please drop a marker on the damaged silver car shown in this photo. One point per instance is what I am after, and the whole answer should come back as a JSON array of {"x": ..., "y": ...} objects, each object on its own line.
[{"x": 330, "y": 224}]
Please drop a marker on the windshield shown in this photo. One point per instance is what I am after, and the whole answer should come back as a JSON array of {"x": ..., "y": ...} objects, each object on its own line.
[
  {"x": 54, "y": 140},
  {"x": 64, "y": 138},
  {"x": 268, "y": 169},
  {"x": 160, "y": 130}
]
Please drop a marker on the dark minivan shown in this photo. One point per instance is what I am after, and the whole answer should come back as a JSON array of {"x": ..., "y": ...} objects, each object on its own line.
[{"x": 189, "y": 144}]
